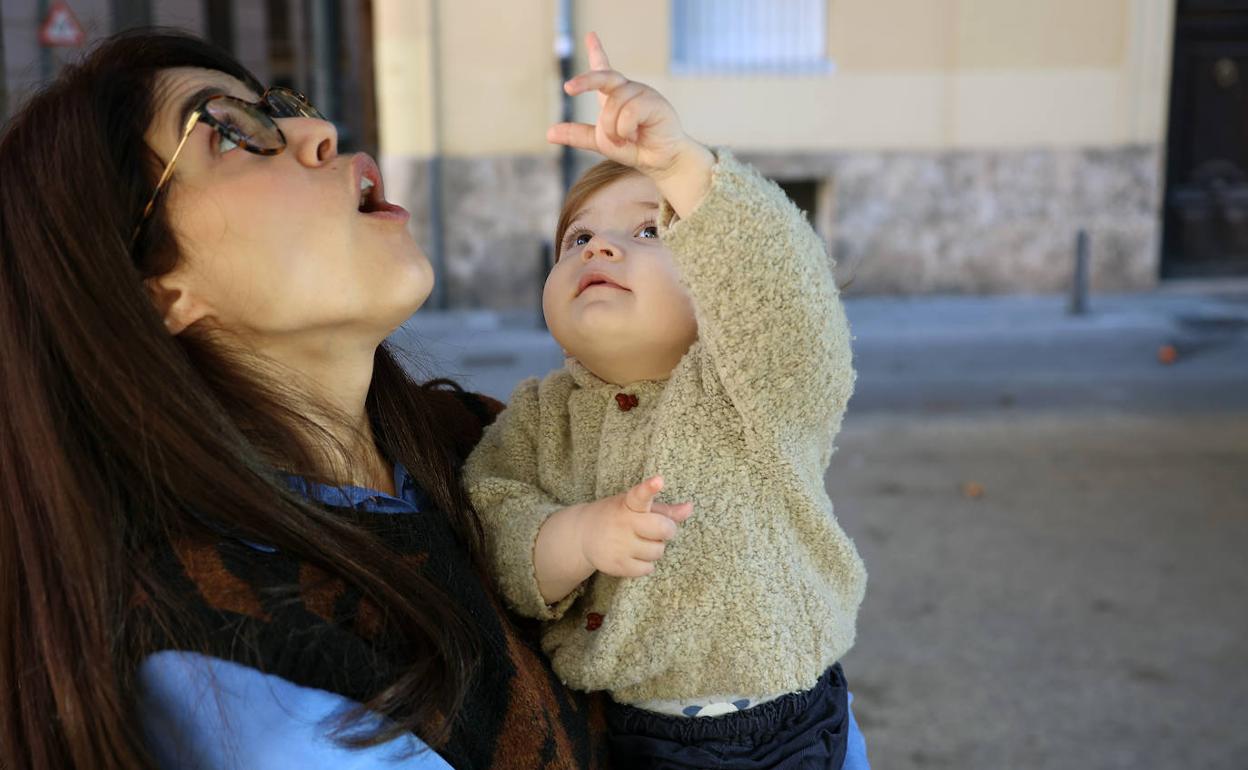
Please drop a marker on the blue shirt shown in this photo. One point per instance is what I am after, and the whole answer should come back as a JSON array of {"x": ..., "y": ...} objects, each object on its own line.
[{"x": 204, "y": 713}]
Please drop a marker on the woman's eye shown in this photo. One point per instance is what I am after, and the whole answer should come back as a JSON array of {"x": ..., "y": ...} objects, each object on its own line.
[
  {"x": 225, "y": 142},
  {"x": 649, "y": 231}
]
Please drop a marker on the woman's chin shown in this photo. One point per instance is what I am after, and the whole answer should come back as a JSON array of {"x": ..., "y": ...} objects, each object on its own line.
[
  {"x": 414, "y": 281},
  {"x": 392, "y": 303},
  {"x": 405, "y": 306}
]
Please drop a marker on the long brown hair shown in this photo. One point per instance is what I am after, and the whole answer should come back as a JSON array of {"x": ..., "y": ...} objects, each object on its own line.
[{"x": 111, "y": 430}]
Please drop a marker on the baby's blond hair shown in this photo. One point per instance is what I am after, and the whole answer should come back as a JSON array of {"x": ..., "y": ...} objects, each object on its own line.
[{"x": 594, "y": 179}]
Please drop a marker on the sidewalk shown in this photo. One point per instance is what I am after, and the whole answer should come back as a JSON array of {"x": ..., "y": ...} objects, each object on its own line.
[
  {"x": 1082, "y": 606},
  {"x": 948, "y": 354}
]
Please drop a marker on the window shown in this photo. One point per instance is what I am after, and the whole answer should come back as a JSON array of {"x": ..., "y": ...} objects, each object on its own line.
[
  {"x": 128, "y": 14},
  {"x": 750, "y": 36},
  {"x": 803, "y": 192},
  {"x": 283, "y": 64},
  {"x": 220, "y": 18}
]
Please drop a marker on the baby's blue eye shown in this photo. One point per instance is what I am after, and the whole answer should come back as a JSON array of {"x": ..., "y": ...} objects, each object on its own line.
[
  {"x": 650, "y": 231},
  {"x": 582, "y": 239}
]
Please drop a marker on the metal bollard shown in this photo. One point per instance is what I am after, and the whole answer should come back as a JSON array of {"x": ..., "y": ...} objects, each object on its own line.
[
  {"x": 1079, "y": 284},
  {"x": 546, "y": 261}
]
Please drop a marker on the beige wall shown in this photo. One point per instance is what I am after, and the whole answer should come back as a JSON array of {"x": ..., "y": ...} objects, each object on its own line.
[
  {"x": 403, "y": 51},
  {"x": 910, "y": 74},
  {"x": 498, "y": 61},
  {"x": 486, "y": 86},
  {"x": 939, "y": 74},
  {"x": 1053, "y": 34}
]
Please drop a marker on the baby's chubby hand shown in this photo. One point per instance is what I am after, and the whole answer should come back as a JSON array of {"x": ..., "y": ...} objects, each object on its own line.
[
  {"x": 637, "y": 127},
  {"x": 625, "y": 535}
]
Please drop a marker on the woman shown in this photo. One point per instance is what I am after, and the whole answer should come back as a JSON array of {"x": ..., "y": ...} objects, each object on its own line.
[{"x": 233, "y": 529}]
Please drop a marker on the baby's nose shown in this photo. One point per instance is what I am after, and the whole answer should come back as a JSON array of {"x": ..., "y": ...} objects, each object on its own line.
[{"x": 603, "y": 248}]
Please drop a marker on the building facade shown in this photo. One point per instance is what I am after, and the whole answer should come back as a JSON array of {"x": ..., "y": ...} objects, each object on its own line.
[
  {"x": 937, "y": 145},
  {"x": 321, "y": 47}
]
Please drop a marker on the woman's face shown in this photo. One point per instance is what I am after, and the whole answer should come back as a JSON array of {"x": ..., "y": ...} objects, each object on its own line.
[{"x": 274, "y": 249}]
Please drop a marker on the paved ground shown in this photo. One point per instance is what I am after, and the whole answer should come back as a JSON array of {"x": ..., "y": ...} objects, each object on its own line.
[
  {"x": 949, "y": 354},
  {"x": 1087, "y": 609}
]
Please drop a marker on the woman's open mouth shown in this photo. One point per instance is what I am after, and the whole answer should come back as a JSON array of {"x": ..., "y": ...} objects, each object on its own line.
[{"x": 372, "y": 200}]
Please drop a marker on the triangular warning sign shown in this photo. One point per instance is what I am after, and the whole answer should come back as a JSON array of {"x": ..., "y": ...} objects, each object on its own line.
[{"x": 61, "y": 27}]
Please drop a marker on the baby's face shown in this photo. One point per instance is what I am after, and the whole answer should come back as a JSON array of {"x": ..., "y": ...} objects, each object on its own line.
[{"x": 614, "y": 299}]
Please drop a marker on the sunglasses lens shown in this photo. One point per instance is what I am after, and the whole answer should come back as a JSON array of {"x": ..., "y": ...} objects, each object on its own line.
[
  {"x": 284, "y": 103},
  {"x": 246, "y": 123}
]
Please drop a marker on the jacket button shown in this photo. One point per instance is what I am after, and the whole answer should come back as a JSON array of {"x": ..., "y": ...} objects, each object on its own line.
[
  {"x": 593, "y": 621},
  {"x": 626, "y": 401}
]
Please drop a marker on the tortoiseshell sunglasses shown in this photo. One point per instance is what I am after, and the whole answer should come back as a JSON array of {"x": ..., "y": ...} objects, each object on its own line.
[{"x": 249, "y": 125}]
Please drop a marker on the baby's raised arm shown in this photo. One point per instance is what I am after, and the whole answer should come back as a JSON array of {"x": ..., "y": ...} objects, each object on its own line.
[{"x": 768, "y": 310}]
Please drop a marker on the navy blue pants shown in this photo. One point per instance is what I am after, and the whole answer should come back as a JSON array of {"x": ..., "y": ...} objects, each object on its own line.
[{"x": 799, "y": 731}]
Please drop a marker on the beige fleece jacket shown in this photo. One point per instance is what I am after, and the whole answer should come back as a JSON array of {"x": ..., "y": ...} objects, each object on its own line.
[{"x": 759, "y": 592}]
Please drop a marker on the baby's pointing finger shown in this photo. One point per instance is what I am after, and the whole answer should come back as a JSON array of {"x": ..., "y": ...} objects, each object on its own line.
[
  {"x": 629, "y": 120},
  {"x": 605, "y": 81},
  {"x": 609, "y": 118},
  {"x": 677, "y": 513},
  {"x": 578, "y": 135},
  {"x": 597, "y": 54},
  {"x": 637, "y": 568},
  {"x": 655, "y": 527},
  {"x": 649, "y": 550},
  {"x": 639, "y": 498}
]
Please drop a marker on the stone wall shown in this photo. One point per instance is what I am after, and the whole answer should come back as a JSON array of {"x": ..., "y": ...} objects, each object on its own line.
[
  {"x": 498, "y": 213},
  {"x": 986, "y": 221},
  {"x": 974, "y": 221}
]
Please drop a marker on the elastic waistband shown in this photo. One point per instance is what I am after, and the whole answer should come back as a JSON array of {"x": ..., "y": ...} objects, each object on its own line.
[{"x": 757, "y": 725}]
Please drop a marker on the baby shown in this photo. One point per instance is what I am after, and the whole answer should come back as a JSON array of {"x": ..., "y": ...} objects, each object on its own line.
[{"x": 708, "y": 370}]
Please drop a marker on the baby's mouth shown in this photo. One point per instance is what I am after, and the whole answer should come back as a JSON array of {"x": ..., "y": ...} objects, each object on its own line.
[{"x": 593, "y": 280}]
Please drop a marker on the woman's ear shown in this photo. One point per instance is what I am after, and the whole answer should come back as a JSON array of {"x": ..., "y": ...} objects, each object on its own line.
[{"x": 174, "y": 302}]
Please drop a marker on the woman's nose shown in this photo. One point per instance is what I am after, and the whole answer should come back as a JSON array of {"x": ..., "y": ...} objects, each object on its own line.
[{"x": 313, "y": 141}]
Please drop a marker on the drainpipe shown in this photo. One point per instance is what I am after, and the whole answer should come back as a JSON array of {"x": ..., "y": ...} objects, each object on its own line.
[
  {"x": 324, "y": 47},
  {"x": 437, "y": 215},
  {"x": 1079, "y": 282},
  {"x": 4, "y": 77},
  {"x": 564, "y": 46},
  {"x": 45, "y": 53}
]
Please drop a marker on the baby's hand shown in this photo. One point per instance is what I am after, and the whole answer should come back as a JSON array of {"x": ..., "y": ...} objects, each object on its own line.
[
  {"x": 625, "y": 535},
  {"x": 637, "y": 127}
]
